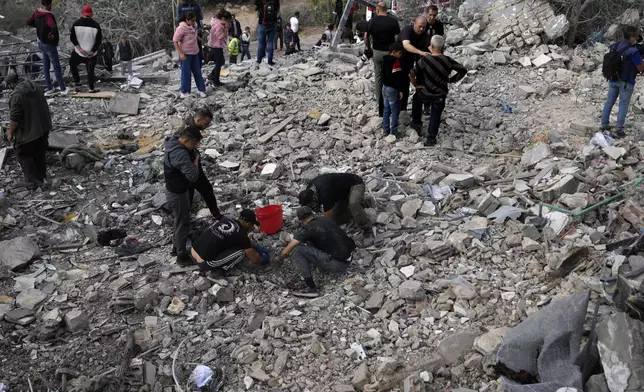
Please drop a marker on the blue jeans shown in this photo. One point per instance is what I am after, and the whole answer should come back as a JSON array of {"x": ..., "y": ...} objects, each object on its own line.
[
  {"x": 50, "y": 56},
  {"x": 266, "y": 40},
  {"x": 624, "y": 91},
  {"x": 191, "y": 66},
  {"x": 245, "y": 52},
  {"x": 391, "y": 112}
]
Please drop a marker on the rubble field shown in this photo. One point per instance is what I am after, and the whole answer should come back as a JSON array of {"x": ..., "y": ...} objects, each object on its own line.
[{"x": 473, "y": 236}]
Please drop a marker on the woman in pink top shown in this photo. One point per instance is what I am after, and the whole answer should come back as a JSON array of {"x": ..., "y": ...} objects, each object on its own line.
[
  {"x": 186, "y": 44},
  {"x": 218, "y": 41}
]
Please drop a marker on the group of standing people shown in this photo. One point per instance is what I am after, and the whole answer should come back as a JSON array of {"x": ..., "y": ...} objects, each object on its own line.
[
  {"x": 413, "y": 55},
  {"x": 89, "y": 44}
]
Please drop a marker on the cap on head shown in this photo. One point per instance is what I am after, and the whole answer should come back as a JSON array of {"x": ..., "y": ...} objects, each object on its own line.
[
  {"x": 249, "y": 216},
  {"x": 46, "y": 2},
  {"x": 88, "y": 12},
  {"x": 304, "y": 212}
]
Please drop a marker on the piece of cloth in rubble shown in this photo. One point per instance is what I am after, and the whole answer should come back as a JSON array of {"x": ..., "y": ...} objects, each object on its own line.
[
  {"x": 105, "y": 237},
  {"x": 131, "y": 247},
  {"x": 547, "y": 345}
]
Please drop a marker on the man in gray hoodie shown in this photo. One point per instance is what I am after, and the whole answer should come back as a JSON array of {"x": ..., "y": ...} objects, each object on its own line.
[{"x": 183, "y": 175}]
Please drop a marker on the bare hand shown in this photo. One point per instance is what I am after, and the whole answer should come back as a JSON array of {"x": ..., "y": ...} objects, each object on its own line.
[
  {"x": 196, "y": 161},
  {"x": 424, "y": 54},
  {"x": 401, "y": 95},
  {"x": 182, "y": 57},
  {"x": 10, "y": 135}
]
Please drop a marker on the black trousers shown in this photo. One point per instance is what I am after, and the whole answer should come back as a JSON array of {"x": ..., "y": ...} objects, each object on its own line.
[
  {"x": 437, "y": 106},
  {"x": 296, "y": 39},
  {"x": 108, "y": 63},
  {"x": 279, "y": 35},
  {"x": 90, "y": 62},
  {"x": 32, "y": 158},
  {"x": 216, "y": 56}
]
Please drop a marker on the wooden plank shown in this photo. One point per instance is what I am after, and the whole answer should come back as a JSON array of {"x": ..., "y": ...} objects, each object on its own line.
[
  {"x": 268, "y": 135},
  {"x": 123, "y": 103},
  {"x": 98, "y": 95}
]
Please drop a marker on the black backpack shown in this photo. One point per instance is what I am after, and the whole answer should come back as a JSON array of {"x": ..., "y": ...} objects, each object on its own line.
[
  {"x": 268, "y": 13},
  {"x": 612, "y": 64}
]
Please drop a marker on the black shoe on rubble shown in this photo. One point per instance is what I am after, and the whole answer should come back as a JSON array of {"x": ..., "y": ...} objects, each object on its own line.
[
  {"x": 272, "y": 64},
  {"x": 173, "y": 252},
  {"x": 306, "y": 292},
  {"x": 184, "y": 259},
  {"x": 619, "y": 134},
  {"x": 416, "y": 126},
  {"x": 430, "y": 142}
]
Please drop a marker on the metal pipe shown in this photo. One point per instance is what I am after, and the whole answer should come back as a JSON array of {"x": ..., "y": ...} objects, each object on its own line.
[{"x": 595, "y": 206}]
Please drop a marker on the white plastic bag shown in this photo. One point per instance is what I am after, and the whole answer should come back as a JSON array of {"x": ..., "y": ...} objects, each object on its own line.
[
  {"x": 601, "y": 140},
  {"x": 201, "y": 375}
]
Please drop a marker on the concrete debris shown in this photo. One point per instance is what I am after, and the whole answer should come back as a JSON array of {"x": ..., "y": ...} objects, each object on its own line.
[
  {"x": 623, "y": 365},
  {"x": 18, "y": 252},
  {"x": 464, "y": 247}
]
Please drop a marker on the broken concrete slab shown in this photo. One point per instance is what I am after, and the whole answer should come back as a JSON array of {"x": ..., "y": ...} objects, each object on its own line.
[
  {"x": 18, "y": 252},
  {"x": 411, "y": 207},
  {"x": 30, "y": 298},
  {"x": 567, "y": 184},
  {"x": 541, "y": 60},
  {"x": 535, "y": 154},
  {"x": 60, "y": 140},
  {"x": 411, "y": 290},
  {"x": 453, "y": 347},
  {"x": 124, "y": 103},
  {"x": 620, "y": 342}
]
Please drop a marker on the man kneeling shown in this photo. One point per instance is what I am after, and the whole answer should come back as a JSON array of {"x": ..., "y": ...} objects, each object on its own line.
[
  {"x": 319, "y": 242},
  {"x": 225, "y": 243}
]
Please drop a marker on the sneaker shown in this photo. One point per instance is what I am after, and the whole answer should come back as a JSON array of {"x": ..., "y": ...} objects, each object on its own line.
[
  {"x": 50, "y": 92},
  {"x": 385, "y": 133},
  {"x": 618, "y": 134},
  {"x": 430, "y": 142},
  {"x": 65, "y": 92},
  {"x": 94, "y": 90},
  {"x": 202, "y": 94},
  {"x": 184, "y": 95},
  {"x": 272, "y": 64},
  {"x": 306, "y": 292}
]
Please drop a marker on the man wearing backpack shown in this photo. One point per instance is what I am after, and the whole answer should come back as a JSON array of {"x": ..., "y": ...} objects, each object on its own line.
[
  {"x": 267, "y": 11},
  {"x": 621, "y": 66}
]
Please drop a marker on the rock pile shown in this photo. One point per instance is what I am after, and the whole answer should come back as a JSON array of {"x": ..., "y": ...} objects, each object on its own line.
[{"x": 472, "y": 236}]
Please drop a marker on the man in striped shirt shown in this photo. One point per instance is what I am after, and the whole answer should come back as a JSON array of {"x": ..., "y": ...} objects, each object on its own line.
[{"x": 430, "y": 76}]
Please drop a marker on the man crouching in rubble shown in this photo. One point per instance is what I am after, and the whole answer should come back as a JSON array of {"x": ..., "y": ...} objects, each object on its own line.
[
  {"x": 225, "y": 244},
  {"x": 183, "y": 175},
  {"x": 341, "y": 196},
  {"x": 319, "y": 242},
  {"x": 29, "y": 127}
]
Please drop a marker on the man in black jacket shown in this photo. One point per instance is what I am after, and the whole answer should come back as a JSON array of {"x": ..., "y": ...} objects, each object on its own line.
[
  {"x": 183, "y": 175},
  {"x": 125, "y": 54},
  {"x": 47, "y": 31},
  {"x": 107, "y": 53},
  {"x": 234, "y": 30},
  {"x": 86, "y": 36},
  {"x": 431, "y": 76},
  {"x": 29, "y": 127}
]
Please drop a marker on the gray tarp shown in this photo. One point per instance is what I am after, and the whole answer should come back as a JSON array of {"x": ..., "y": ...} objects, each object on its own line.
[{"x": 547, "y": 345}]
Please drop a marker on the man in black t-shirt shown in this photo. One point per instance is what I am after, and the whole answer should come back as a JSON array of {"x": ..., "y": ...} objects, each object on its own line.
[
  {"x": 339, "y": 196},
  {"x": 320, "y": 242},
  {"x": 415, "y": 41},
  {"x": 382, "y": 31},
  {"x": 225, "y": 243},
  {"x": 434, "y": 26}
]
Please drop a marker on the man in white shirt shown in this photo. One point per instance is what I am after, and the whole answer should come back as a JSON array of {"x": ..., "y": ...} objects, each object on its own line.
[{"x": 295, "y": 26}]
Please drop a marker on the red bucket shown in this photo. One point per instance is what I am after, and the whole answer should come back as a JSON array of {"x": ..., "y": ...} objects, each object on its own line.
[{"x": 271, "y": 219}]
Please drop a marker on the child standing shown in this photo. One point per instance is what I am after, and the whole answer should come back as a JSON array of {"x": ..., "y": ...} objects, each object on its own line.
[
  {"x": 217, "y": 42},
  {"x": 394, "y": 81},
  {"x": 186, "y": 44},
  {"x": 245, "y": 43},
  {"x": 233, "y": 49},
  {"x": 289, "y": 40}
]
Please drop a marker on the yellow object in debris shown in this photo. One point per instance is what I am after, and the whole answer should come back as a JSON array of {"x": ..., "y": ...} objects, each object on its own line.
[{"x": 315, "y": 114}]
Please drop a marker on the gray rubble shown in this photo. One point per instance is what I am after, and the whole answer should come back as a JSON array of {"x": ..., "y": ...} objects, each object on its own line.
[{"x": 453, "y": 268}]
